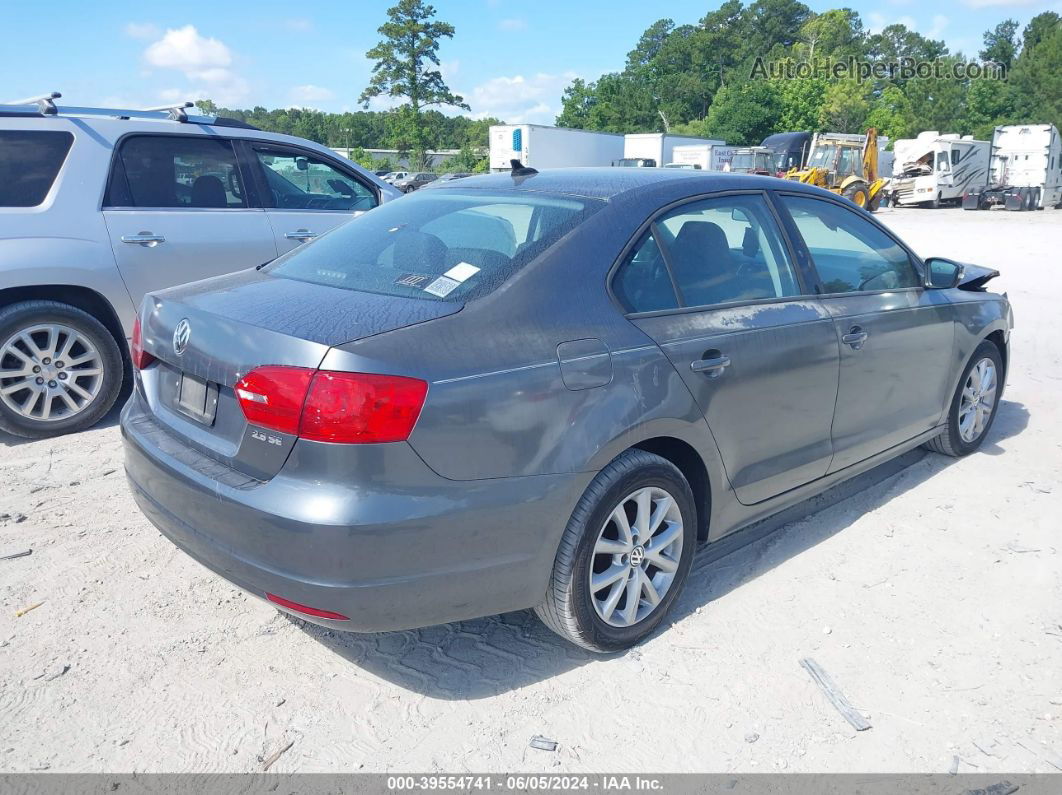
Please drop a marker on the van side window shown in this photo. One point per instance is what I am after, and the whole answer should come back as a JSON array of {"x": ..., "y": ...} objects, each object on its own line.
[
  {"x": 29, "y": 163},
  {"x": 175, "y": 171}
]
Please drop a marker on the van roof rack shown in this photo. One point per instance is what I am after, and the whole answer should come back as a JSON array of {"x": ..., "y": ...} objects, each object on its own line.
[{"x": 44, "y": 105}]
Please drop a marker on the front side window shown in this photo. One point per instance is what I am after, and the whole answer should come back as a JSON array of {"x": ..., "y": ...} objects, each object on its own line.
[
  {"x": 29, "y": 163},
  {"x": 726, "y": 249},
  {"x": 297, "y": 181},
  {"x": 437, "y": 245},
  {"x": 850, "y": 253},
  {"x": 176, "y": 171}
]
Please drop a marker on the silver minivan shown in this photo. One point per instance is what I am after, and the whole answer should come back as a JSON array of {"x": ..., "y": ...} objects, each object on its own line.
[{"x": 100, "y": 206}]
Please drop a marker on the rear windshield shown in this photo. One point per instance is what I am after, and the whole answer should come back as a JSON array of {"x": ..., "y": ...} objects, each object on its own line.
[
  {"x": 29, "y": 163},
  {"x": 437, "y": 245}
]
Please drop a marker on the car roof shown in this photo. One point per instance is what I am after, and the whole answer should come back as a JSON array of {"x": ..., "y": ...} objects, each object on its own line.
[{"x": 610, "y": 183}]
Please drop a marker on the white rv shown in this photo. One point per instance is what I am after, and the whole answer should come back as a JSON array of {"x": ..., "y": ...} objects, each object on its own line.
[
  {"x": 935, "y": 169},
  {"x": 1026, "y": 169},
  {"x": 541, "y": 146}
]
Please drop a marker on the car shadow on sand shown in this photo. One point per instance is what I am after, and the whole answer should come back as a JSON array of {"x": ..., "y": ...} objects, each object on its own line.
[{"x": 488, "y": 656}]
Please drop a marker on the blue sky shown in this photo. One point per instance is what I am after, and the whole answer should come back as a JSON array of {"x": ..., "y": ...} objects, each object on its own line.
[{"x": 510, "y": 58}]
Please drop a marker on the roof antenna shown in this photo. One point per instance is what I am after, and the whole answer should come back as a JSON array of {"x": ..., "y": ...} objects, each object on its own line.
[{"x": 520, "y": 170}]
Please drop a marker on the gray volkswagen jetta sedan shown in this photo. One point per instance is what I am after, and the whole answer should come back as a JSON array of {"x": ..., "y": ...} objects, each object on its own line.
[{"x": 544, "y": 390}]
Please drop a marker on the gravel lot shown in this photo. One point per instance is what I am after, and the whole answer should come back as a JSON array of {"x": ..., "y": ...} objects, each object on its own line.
[{"x": 932, "y": 595}]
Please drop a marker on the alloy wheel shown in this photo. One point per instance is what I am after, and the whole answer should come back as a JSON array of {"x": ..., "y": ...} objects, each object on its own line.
[
  {"x": 49, "y": 372},
  {"x": 978, "y": 400},
  {"x": 635, "y": 557}
]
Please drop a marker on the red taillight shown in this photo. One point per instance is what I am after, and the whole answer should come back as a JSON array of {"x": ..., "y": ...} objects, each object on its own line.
[
  {"x": 327, "y": 406},
  {"x": 141, "y": 358},
  {"x": 273, "y": 396},
  {"x": 310, "y": 611}
]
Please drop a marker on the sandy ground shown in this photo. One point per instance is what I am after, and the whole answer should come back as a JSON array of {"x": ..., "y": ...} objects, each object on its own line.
[{"x": 933, "y": 598}]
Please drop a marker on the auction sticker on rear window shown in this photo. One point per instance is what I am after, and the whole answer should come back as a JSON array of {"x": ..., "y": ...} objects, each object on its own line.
[{"x": 442, "y": 286}]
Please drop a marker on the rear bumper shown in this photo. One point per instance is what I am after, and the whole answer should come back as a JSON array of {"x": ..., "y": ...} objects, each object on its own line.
[{"x": 412, "y": 551}]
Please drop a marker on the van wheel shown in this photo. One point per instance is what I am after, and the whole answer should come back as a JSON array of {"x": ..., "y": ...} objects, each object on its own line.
[
  {"x": 624, "y": 556},
  {"x": 60, "y": 369},
  {"x": 973, "y": 408}
]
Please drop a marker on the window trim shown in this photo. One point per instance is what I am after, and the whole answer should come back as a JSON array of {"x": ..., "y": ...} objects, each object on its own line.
[
  {"x": 246, "y": 153},
  {"x": 680, "y": 309},
  {"x": 251, "y": 197},
  {"x": 805, "y": 252}
]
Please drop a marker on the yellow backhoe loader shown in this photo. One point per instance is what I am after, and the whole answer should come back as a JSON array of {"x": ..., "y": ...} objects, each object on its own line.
[{"x": 845, "y": 164}]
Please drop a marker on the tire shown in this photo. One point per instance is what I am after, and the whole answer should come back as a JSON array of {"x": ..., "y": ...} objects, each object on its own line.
[
  {"x": 571, "y": 608},
  {"x": 74, "y": 394},
  {"x": 875, "y": 203},
  {"x": 936, "y": 203},
  {"x": 954, "y": 441},
  {"x": 857, "y": 194}
]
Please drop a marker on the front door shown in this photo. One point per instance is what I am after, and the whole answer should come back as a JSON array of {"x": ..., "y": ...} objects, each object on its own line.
[
  {"x": 758, "y": 353},
  {"x": 896, "y": 338},
  {"x": 177, "y": 211},
  {"x": 306, "y": 194}
]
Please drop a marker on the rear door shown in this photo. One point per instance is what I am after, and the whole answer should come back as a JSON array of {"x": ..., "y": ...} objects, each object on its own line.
[
  {"x": 305, "y": 193},
  {"x": 714, "y": 284},
  {"x": 178, "y": 209},
  {"x": 896, "y": 338}
]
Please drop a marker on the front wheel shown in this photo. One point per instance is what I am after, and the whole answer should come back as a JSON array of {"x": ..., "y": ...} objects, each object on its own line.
[
  {"x": 60, "y": 369},
  {"x": 624, "y": 556},
  {"x": 857, "y": 194},
  {"x": 973, "y": 408}
]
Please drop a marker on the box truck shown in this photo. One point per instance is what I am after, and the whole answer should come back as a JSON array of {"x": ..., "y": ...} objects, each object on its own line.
[
  {"x": 657, "y": 149},
  {"x": 1025, "y": 172},
  {"x": 706, "y": 157},
  {"x": 934, "y": 169},
  {"x": 541, "y": 146}
]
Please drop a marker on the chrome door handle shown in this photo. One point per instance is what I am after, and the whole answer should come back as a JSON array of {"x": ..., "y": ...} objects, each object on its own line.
[
  {"x": 300, "y": 234},
  {"x": 144, "y": 239},
  {"x": 855, "y": 337},
  {"x": 713, "y": 367}
]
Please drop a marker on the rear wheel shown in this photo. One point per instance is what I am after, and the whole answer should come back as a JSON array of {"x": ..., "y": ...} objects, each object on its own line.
[
  {"x": 973, "y": 408},
  {"x": 875, "y": 203},
  {"x": 857, "y": 194},
  {"x": 60, "y": 369},
  {"x": 624, "y": 556}
]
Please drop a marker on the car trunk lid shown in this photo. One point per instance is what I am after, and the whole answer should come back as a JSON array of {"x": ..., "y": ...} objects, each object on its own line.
[{"x": 206, "y": 336}]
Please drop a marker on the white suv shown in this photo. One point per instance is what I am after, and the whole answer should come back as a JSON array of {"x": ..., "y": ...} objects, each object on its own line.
[{"x": 100, "y": 206}]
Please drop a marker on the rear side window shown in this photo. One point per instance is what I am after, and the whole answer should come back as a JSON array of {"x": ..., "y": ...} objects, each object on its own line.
[
  {"x": 29, "y": 163},
  {"x": 850, "y": 253},
  {"x": 437, "y": 245},
  {"x": 179, "y": 171}
]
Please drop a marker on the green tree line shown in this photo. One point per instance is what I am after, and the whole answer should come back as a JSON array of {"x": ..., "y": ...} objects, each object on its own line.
[{"x": 700, "y": 79}]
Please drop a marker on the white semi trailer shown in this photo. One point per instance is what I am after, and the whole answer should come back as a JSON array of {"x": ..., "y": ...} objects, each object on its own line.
[
  {"x": 657, "y": 149},
  {"x": 1025, "y": 171},
  {"x": 541, "y": 146},
  {"x": 934, "y": 169}
]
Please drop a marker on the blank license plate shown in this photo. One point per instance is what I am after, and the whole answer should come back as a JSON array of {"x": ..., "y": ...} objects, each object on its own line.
[{"x": 197, "y": 398}]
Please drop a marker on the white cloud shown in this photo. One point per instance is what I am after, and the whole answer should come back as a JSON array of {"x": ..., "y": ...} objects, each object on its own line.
[
  {"x": 205, "y": 62},
  {"x": 184, "y": 49},
  {"x": 512, "y": 24},
  {"x": 141, "y": 30},
  {"x": 519, "y": 99},
  {"x": 299, "y": 24},
  {"x": 309, "y": 93},
  {"x": 940, "y": 22},
  {"x": 449, "y": 69},
  {"x": 877, "y": 22},
  {"x": 1001, "y": 3}
]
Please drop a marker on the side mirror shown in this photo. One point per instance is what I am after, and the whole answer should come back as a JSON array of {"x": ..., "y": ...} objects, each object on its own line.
[
  {"x": 943, "y": 273},
  {"x": 302, "y": 164}
]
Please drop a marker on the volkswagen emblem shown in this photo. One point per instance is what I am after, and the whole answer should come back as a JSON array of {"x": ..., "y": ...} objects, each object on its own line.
[
  {"x": 181, "y": 335},
  {"x": 637, "y": 556}
]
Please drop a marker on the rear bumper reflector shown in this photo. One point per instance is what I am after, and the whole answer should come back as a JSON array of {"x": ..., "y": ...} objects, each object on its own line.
[{"x": 306, "y": 609}]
